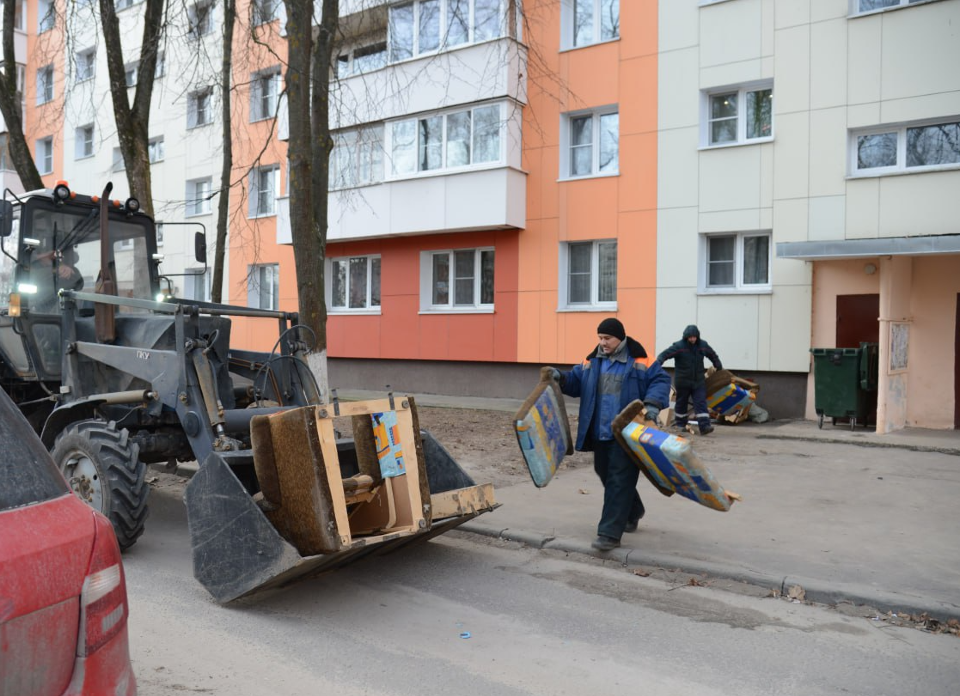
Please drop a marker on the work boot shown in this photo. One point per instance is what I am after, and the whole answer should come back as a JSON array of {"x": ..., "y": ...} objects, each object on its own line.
[
  {"x": 631, "y": 527},
  {"x": 707, "y": 429},
  {"x": 605, "y": 543}
]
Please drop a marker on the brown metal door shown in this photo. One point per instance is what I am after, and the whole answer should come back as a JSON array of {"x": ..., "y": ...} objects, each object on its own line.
[{"x": 857, "y": 320}]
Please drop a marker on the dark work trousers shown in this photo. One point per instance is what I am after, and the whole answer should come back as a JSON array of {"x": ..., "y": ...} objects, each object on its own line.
[
  {"x": 701, "y": 412},
  {"x": 621, "y": 502}
]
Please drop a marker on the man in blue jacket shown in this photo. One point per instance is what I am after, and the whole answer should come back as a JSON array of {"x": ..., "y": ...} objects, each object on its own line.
[
  {"x": 688, "y": 376},
  {"x": 610, "y": 378}
]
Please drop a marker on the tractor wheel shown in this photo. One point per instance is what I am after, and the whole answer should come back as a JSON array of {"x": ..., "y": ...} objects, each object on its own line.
[{"x": 102, "y": 466}]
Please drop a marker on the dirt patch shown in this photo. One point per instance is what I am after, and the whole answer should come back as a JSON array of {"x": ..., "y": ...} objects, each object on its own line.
[{"x": 485, "y": 444}]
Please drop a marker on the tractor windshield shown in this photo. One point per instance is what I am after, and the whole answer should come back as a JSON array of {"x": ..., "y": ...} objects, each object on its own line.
[{"x": 68, "y": 254}]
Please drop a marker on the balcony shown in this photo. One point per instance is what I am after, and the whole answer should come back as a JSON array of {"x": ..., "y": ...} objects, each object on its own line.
[{"x": 487, "y": 199}]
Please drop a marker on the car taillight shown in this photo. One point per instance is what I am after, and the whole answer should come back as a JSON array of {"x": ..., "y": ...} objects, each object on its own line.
[{"x": 103, "y": 600}]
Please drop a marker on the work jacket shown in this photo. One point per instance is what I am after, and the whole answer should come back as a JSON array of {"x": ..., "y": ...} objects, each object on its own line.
[
  {"x": 688, "y": 359},
  {"x": 627, "y": 380}
]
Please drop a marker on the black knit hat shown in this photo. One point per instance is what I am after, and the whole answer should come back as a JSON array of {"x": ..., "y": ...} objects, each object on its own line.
[{"x": 612, "y": 327}]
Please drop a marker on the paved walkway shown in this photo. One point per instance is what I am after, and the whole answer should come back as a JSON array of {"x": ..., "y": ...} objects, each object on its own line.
[{"x": 823, "y": 509}]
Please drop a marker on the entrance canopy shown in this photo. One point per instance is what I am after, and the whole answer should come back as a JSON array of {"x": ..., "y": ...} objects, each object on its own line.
[{"x": 869, "y": 248}]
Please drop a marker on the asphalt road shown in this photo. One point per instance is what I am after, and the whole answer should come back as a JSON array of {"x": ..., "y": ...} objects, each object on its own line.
[{"x": 463, "y": 615}]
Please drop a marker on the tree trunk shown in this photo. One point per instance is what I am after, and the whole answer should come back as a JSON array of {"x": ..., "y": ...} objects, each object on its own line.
[
  {"x": 11, "y": 106},
  {"x": 133, "y": 122},
  {"x": 223, "y": 203}
]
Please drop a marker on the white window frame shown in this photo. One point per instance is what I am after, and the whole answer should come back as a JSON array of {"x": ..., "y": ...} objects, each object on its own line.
[
  {"x": 369, "y": 307},
  {"x": 346, "y": 63},
  {"x": 200, "y": 19},
  {"x": 427, "y": 305},
  {"x": 443, "y": 24},
  {"x": 391, "y": 174},
  {"x": 855, "y": 11},
  {"x": 563, "y": 286},
  {"x": 194, "y": 112},
  {"x": 741, "y": 92},
  {"x": 156, "y": 149},
  {"x": 193, "y": 276},
  {"x": 255, "y": 282},
  {"x": 254, "y": 208},
  {"x": 258, "y": 15},
  {"x": 84, "y": 142},
  {"x": 197, "y": 199},
  {"x": 263, "y": 105},
  {"x": 159, "y": 228},
  {"x": 46, "y": 16},
  {"x": 738, "y": 287},
  {"x": 566, "y": 140},
  {"x": 158, "y": 70},
  {"x": 568, "y": 26},
  {"x": 710, "y": 2},
  {"x": 125, "y": 4},
  {"x": 44, "y": 150},
  {"x": 45, "y": 85},
  {"x": 85, "y": 65},
  {"x": 131, "y": 72},
  {"x": 900, "y": 129}
]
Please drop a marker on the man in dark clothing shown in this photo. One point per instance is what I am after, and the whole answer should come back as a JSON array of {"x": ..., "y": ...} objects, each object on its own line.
[
  {"x": 610, "y": 378},
  {"x": 687, "y": 355}
]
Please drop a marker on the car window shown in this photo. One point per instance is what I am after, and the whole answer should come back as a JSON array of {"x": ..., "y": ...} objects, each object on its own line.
[{"x": 26, "y": 469}]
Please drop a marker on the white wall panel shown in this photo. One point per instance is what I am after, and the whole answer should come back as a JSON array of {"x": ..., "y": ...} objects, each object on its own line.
[
  {"x": 828, "y": 53},
  {"x": 826, "y": 218},
  {"x": 678, "y": 164},
  {"x": 791, "y": 158},
  {"x": 790, "y": 328},
  {"x": 677, "y": 245},
  {"x": 920, "y": 204},
  {"x": 730, "y": 323},
  {"x": 792, "y": 85},
  {"x": 730, "y": 178},
  {"x": 730, "y": 32},
  {"x": 863, "y": 208},
  {"x": 790, "y": 13},
  {"x": 678, "y": 101},
  {"x": 679, "y": 25},
  {"x": 828, "y": 152},
  {"x": 863, "y": 59}
]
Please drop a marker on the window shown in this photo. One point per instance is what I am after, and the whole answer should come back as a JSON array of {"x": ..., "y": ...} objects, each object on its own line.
[
  {"x": 197, "y": 284},
  {"x": 355, "y": 283},
  {"x": 86, "y": 65},
  {"x": 265, "y": 11},
  {"x": 45, "y": 155},
  {"x": 357, "y": 158},
  {"x": 198, "y": 197},
  {"x": 457, "y": 280},
  {"x": 262, "y": 286},
  {"x": 426, "y": 26},
  {"x": 201, "y": 19},
  {"x": 46, "y": 16},
  {"x": 862, "y": 6},
  {"x": 17, "y": 15},
  {"x": 159, "y": 234},
  {"x": 738, "y": 115},
  {"x": 84, "y": 142},
  {"x": 118, "y": 163},
  {"x": 264, "y": 189},
  {"x": 45, "y": 85},
  {"x": 264, "y": 91},
  {"x": 124, "y": 4},
  {"x": 593, "y": 143},
  {"x": 362, "y": 60},
  {"x": 130, "y": 74},
  {"x": 586, "y": 22},
  {"x": 588, "y": 275},
  {"x": 446, "y": 141},
  {"x": 736, "y": 262},
  {"x": 199, "y": 108},
  {"x": 919, "y": 147},
  {"x": 158, "y": 70},
  {"x": 155, "y": 149}
]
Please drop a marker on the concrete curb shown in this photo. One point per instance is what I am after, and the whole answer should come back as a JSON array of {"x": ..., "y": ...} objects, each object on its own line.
[
  {"x": 861, "y": 443},
  {"x": 814, "y": 590}
]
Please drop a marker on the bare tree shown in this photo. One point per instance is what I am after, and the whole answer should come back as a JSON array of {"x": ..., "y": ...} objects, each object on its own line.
[
  {"x": 133, "y": 121},
  {"x": 308, "y": 98},
  {"x": 11, "y": 106},
  {"x": 223, "y": 202}
]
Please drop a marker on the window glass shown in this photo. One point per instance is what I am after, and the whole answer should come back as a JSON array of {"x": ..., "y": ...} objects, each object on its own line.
[
  {"x": 721, "y": 261},
  {"x": 723, "y": 118},
  {"x": 867, "y": 5},
  {"x": 429, "y": 35},
  {"x": 579, "y": 281},
  {"x": 581, "y": 150},
  {"x": 339, "y": 284},
  {"x": 431, "y": 143},
  {"x": 756, "y": 260},
  {"x": 464, "y": 277},
  {"x": 486, "y": 277},
  {"x": 358, "y": 282},
  {"x": 582, "y": 22},
  {"x": 458, "y": 22},
  {"x": 609, "y": 19},
  {"x": 441, "y": 279},
  {"x": 608, "y": 272},
  {"x": 878, "y": 150},
  {"x": 486, "y": 134},
  {"x": 375, "y": 281},
  {"x": 458, "y": 139},
  {"x": 760, "y": 114},
  {"x": 932, "y": 145},
  {"x": 404, "y": 147},
  {"x": 609, "y": 142},
  {"x": 400, "y": 31},
  {"x": 28, "y": 473},
  {"x": 368, "y": 58},
  {"x": 486, "y": 20}
]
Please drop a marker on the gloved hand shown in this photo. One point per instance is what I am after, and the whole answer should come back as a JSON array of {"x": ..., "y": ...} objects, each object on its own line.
[
  {"x": 555, "y": 375},
  {"x": 652, "y": 412}
]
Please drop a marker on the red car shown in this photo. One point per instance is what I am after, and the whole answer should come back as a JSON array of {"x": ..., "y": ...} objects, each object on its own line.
[{"x": 63, "y": 595}]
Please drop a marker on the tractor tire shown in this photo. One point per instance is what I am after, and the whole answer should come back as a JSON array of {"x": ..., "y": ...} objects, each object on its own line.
[{"x": 102, "y": 466}]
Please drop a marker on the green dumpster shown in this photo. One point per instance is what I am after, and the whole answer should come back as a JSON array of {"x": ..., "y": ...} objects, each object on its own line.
[{"x": 844, "y": 379}]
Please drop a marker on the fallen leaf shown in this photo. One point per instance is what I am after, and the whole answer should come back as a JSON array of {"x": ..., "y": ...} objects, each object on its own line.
[
  {"x": 796, "y": 592},
  {"x": 695, "y": 583},
  {"x": 641, "y": 572},
  {"x": 584, "y": 491}
]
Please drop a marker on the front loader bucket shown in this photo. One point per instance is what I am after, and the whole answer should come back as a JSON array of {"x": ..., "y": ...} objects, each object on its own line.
[{"x": 324, "y": 502}]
